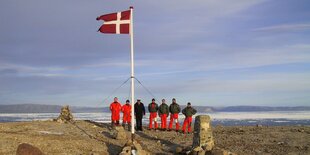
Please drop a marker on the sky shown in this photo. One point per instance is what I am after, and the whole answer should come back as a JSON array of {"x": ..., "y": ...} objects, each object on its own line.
[{"x": 207, "y": 52}]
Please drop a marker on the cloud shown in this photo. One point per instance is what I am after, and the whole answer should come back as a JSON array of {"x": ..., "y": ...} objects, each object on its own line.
[
  {"x": 182, "y": 48},
  {"x": 284, "y": 28}
]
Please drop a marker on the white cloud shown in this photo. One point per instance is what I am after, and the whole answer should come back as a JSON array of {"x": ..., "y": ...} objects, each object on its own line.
[{"x": 284, "y": 28}]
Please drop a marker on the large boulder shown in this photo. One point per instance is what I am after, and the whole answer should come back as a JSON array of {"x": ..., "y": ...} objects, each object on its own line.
[
  {"x": 27, "y": 149},
  {"x": 119, "y": 133}
]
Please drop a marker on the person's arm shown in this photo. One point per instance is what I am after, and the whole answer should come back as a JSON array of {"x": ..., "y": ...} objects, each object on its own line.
[
  {"x": 119, "y": 106},
  {"x": 143, "y": 108},
  {"x": 183, "y": 111},
  {"x": 167, "y": 108},
  {"x": 194, "y": 111},
  {"x": 123, "y": 108},
  {"x": 149, "y": 107},
  {"x": 179, "y": 109}
]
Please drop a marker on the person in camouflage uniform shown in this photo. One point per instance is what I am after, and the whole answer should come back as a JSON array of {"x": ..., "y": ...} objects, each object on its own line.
[
  {"x": 174, "y": 110},
  {"x": 163, "y": 112},
  {"x": 188, "y": 111},
  {"x": 153, "y": 108}
]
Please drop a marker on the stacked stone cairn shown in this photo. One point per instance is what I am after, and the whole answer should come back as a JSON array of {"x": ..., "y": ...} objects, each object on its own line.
[
  {"x": 65, "y": 115},
  {"x": 203, "y": 139}
]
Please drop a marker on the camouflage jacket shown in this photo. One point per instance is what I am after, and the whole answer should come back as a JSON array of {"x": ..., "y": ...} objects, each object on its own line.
[
  {"x": 153, "y": 107},
  {"x": 174, "y": 108},
  {"x": 163, "y": 109},
  {"x": 189, "y": 111}
]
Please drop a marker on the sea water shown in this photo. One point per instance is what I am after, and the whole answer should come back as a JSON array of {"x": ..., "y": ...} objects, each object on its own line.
[{"x": 218, "y": 118}]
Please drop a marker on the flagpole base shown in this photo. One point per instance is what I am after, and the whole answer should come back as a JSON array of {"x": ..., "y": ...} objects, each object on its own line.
[{"x": 132, "y": 137}]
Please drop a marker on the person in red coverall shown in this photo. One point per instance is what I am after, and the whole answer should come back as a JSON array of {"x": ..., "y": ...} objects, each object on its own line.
[
  {"x": 126, "y": 109},
  {"x": 163, "y": 112},
  {"x": 115, "y": 108},
  {"x": 188, "y": 111},
  {"x": 174, "y": 110},
  {"x": 153, "y": 109}
]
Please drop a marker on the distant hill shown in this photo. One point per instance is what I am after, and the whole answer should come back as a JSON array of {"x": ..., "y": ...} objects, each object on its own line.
[{"x": 39, "y": 108}]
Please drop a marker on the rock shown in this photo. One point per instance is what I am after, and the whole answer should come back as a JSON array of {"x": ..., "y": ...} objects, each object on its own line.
[
  {"x": 197, "y": 149},
  {"x": 203, "y": 136},
  {"x": 139, "y": 149},
  {"x": 137, "y": 145},
  {"x": 65, "y": 115},
  {"x": 301, "y": 130},
  {"x": 218, "y": 151},
  {"x": 178, "y": 150},
  {"x": 259, "y": 125},
  {"x": 119, "y": 133},
  {"x": 27, "y": 149},
  {"x": 126, "y": 150}
]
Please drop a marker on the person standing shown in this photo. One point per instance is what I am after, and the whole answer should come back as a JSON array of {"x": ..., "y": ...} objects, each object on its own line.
[
  {"x": 139, "y": 113},
  {"x": 163, "y": 112},
  {"x": 153, "y": 109},
  {"x": 188, "y": 111},
  {"x": 174, "y": 110},
  {"x": 115, "y": 108},
  {"x": 126, "y": 109}
]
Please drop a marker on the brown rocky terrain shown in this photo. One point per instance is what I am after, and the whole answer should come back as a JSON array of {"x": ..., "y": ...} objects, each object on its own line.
[{"x": 86, "y": 137}]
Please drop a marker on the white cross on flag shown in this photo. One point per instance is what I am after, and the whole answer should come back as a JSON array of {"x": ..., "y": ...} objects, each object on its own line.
[{"x": 117, "y": 23}]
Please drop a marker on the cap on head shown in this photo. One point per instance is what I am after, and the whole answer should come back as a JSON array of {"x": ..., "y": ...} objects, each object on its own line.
[
  {"x": 188, "y": 103},
  {"x": 153, "y": 99},
  {"x": 138, "y": 99}
]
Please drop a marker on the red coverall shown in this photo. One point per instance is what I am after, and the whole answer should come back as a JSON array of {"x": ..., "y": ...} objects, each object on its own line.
[
  {"x": 126, "y": 109},
  {"x": 187, "y": 121},
  {"x": 163, "y": 121},
  {"x": 174, "y": 117},
  {"x": 153, "y": 116},
  {"x": 115, "y": 108}
]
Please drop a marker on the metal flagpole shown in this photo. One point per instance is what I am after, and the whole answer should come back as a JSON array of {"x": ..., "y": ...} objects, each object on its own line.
[{"x": 132, "y": 74}]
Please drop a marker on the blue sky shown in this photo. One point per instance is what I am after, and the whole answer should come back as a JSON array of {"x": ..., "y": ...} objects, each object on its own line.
[{"x": 208, "y": 52}]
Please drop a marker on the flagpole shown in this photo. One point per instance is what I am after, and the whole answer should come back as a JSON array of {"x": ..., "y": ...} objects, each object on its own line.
[{"x": 132, "y": 75}]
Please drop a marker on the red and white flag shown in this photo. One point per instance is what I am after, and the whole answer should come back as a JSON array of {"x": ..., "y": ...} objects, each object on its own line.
[{"x": 117, "y": 23}]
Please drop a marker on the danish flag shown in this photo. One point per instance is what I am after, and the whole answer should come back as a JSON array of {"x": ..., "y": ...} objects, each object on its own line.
[{"x": 116, "y": 23}]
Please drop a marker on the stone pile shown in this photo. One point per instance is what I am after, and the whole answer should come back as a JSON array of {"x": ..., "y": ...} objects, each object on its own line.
[
  {"x": 133, "y": 148},
  {"x": 65, "y": 115},
  {"x": 203, "y": 138}
]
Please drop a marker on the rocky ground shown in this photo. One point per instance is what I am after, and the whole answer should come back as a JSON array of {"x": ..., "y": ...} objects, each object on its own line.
[{"x": 85, "y": 137}]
